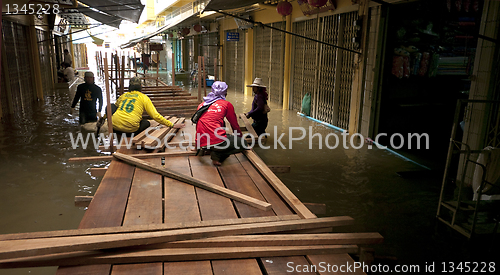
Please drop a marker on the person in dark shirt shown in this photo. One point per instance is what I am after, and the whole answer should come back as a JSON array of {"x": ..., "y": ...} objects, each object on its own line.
[
  {"x": 88, "y": 93},
  {"x": 259, "y": 112}
]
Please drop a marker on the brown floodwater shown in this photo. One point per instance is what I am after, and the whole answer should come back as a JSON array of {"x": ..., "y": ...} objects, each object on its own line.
[{"x": 38, "y": 185}]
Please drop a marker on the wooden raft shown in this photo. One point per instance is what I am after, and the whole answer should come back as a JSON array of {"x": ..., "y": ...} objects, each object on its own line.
[{"x": 131, "y": 197}]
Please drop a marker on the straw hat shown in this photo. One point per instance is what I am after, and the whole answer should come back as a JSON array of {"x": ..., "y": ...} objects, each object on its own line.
[{"x": 257, "y": 83}]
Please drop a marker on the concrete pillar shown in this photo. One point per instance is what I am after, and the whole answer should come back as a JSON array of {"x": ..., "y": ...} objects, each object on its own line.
[
  {"x": 248, "y": 61},
  {"x": 288, "y": 59}
]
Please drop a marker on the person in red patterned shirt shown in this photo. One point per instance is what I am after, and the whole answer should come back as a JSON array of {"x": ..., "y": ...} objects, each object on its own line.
[{"x": 210, "y": 131}]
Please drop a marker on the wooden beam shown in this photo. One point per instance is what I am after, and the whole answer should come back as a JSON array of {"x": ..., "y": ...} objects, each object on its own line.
[
  {"x": 316, "y": 208},
  {"x": 279, "y": 186},
  {"x": 178, "y": 254},
  {"x": 139, "y": 156},
  {"x": 279, "y": 168},
  {"x": 83, "y": 201},
  {"x": 108, "y": 106},
  {"x": 144, "y": 228},
  {"x": 196, "y": 182},
  {"x": 38, "y": 247},
  {"x": 248, "y": 125},
  {"x": 277, "y": 240}
]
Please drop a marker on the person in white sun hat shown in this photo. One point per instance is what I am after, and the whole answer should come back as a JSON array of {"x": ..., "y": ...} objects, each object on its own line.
[{"x": 259, "y": 107}]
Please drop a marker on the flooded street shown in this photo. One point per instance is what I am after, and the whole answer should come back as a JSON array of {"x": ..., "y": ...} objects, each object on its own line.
[{"x": 38, "y": 185}]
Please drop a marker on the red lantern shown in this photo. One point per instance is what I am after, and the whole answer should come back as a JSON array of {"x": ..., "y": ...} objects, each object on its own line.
[
  {"x": 197, "y": 27},
  {"x": 170, "y": 35},
  {"x": 186, "y": 31},
  {"x": 317, "y": 3},
  {"x": 284, "y": 8}
]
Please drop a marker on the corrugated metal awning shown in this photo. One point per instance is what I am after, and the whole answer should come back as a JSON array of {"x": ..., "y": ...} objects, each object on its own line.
[{"x": 125, "y": 9}]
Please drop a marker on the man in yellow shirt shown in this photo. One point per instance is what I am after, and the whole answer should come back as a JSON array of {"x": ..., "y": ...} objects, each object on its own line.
[{"x": 130, "y": 107}]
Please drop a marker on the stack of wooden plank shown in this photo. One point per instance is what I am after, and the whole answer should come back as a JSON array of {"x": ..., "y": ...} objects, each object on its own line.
[
  {"x": 171, "y": 100},
  {"x": 204, "y": 240},
  {"x": 157, "y": 135}
]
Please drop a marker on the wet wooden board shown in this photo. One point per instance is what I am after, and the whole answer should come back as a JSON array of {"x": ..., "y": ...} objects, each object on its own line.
[
  {"x": 249, "y": 200},
  {"x": 334, "y": 260},
  {"x": 285, "y": 265},
  {"x": 144, "y": 207},
  {"x": 279, "y": 206},
  {"x": 143, "y": 228},
  {"x": 184, "y": 254},
  {"x": 107, "y": 210},
  {"x": 213, "y": 207},
  {"x": 237, "y": 172},
  {"x": 179, "y": 195},
  {"x": 276, "y": 183},
  {"x": 236, "y": 178}
]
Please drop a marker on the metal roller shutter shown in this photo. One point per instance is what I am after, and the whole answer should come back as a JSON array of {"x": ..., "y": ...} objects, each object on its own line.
[
  {"x": 269, "y": 58},
  {"x": 20, "y": 68},
  {"x": 44, "y": 54},
  {"x": 234, "y": 63},
  {"x": 209, "y": 48},
  {"x": 330, "y": 82}
]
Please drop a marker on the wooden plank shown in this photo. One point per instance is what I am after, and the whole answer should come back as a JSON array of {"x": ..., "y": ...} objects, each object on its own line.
[
  {"x": 279, "y": 168},
  {"x": 150, "y": 141},
  {"x": 338, "y": 260},
  {"x": 214, "y": 207},
  {"x": 144, "y": 207},
  {"x": 286, "y": 265},
  {"x": 142, "y": 269},
  {"x": 242, "y": 266},
  {"x": 188, "y": 268},
  {"x": 248, "y": 125},
  {"x": 98, "y": 172},
  {"x": 36, "y": 247},
  {"x": 279, "y": 186},
  {"x": 172, "y": 134},
  {"x": 145, "y": 200},
  {"x": 103, "y": 269},
  {"x": 196, "y": 182},
  {"x": 107, "y": 208},
  {"x": 236, "y": 178},
  {"x": 277, "y": 240},
  {"x": 142, "y": 135},
  {"x": 316, "y": 208},
  {"x": 181, "y": 205},
  {"x": 139, "y": 156},
  {"x": 142, "y": 228},
  {"x": 180, "y": 254},
  {"x": 180, "y": 198},
  {"x": 279, "y": 206}
]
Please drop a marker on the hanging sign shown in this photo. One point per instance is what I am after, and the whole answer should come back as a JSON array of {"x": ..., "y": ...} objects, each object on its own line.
[{"x": 232, "y": 36}]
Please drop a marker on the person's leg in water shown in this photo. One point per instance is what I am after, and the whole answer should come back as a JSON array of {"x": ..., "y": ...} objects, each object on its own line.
[{"x": 260, "y": 125}]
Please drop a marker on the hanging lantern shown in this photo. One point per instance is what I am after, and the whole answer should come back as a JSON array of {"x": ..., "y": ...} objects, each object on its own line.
[
  {"x": 284, "y": 8},
  {"x": 197, "y": 28},
  {"x": 170, "y": 35},
  {"x": 317, "y": 3},
  {"x": 186, "y": 31}
]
